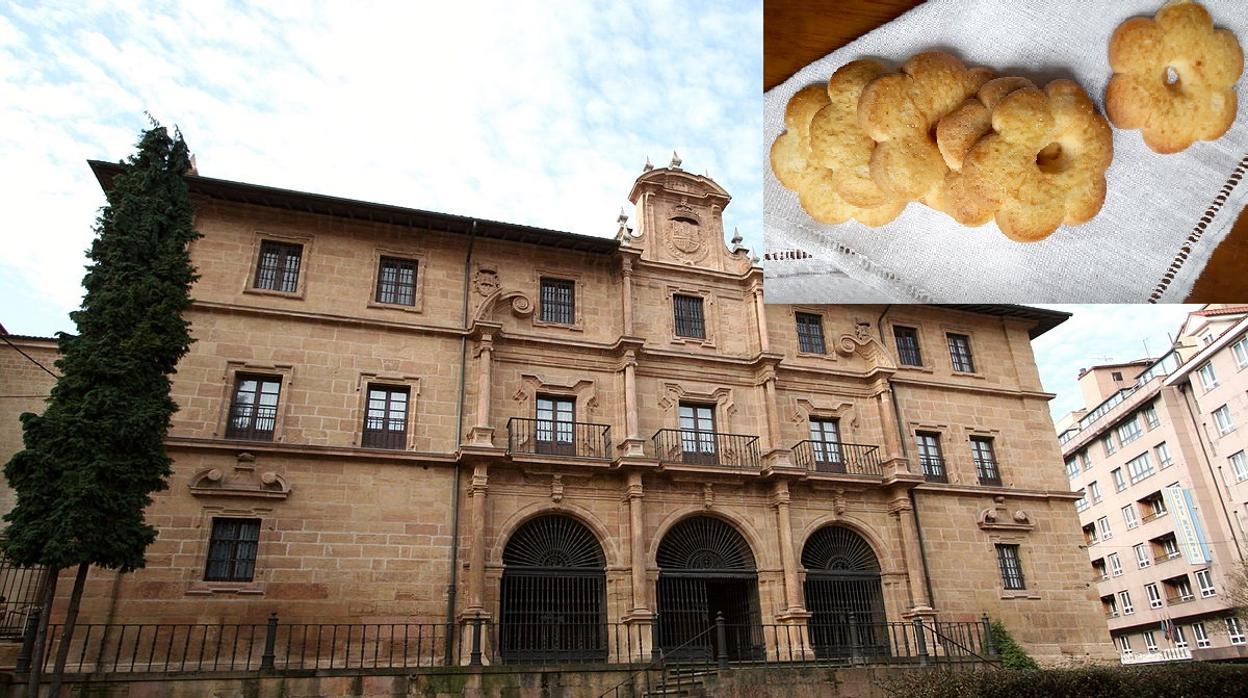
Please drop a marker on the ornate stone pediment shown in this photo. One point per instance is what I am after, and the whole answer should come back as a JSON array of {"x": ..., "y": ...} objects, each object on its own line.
[
  {"x": 998, "y": 518},
  {"x": 863, "y": 343},
  {"x": 243, "y": 481}
]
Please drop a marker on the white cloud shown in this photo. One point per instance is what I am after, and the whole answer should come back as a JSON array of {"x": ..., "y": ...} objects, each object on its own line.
[{"x": 532, "y": 112}]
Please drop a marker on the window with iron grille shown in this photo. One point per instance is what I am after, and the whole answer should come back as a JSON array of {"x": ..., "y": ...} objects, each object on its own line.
[
  {"x": 232, "y": 550},
  {"x": 278, "y": 268},
  {"x": 930, "y": 457},
  {"x": 688, "y": 315},
  {"x": 253, "y": 411},
  {"x": 985, "y": 461},
  {"x": 908, "y": 352},
  {"x": 810, "y": 333},
  {"x": 960, "y": 353},
  {"x": 1011, "y": 566},
  {"x": 558, "y": 301},
  {"x": 396, "y": 281},
  {"x": 385, "y": 419}
]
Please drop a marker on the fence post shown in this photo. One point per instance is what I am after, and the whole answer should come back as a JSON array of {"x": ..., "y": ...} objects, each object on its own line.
[
  {"x": 721, "y": 637},
  {"x": 270, "y": 644},
  {"x": 656, "y": 652},
  {"x": 989, "y": 645},
  {"x": 921, "y": 640},
  {"x": 854, "y": 642},
  {"x": 28, "y": 642},
  {"x": 474, "y": 658}
]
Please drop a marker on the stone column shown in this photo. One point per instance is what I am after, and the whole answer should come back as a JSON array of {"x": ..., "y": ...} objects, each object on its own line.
[
  {"x": 637, "y": 545},
  {"x": 908, "y": 533},
  {"x": 632, "y": 445},
  {"x": 792, "y": 587},
  {"x": 476, "y": 555},
  {"x": 483, "y": 433},
  {"x": 760, "y": 315},
  {"x": 626, "y": 270},
  {"x": 888, "y": 422},
  {"x": 771, "y": 437}
]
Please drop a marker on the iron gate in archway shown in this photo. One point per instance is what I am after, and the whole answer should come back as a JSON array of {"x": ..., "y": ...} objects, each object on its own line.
[
  {"x": 551, "y": 595},
  {"x": 844, "y": 595},
  {"x": 706, "y": 568}
]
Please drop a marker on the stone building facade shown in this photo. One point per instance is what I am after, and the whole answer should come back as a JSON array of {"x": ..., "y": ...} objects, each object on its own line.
[{"x": 396, "y": 415}]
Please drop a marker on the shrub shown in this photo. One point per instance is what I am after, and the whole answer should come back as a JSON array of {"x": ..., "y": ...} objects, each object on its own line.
[
  {"x": 1012, "y": 656},
  {"x": 1177, "y": 680}
]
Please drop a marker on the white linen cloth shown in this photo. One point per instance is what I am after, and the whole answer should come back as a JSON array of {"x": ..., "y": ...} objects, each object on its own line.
[{"x": 1148, "y": 243}]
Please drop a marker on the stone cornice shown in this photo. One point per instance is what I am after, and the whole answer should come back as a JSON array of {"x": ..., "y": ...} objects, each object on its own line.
[
  {"x": 979, "y": 490},
  {"x": 284, "y": 449},
  {"x": 982, "y": 389},
  {"x": 234, "y": 308},
  {"x": 669, "y": 270}
]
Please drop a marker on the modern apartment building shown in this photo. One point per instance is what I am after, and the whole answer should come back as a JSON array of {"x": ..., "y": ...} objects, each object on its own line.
[{"x": 1158, "y": 462}]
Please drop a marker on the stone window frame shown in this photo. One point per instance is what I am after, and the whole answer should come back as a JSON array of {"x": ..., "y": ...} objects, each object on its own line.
[
  {"x": 578, "y": 306},
  {"x": 944, "y": 436},
  {"x": 422, "y": 269},
  {"x": 829, "y": 352},
  {"x": 977, "y": 362},
  {"x": 193, "y": 576},
  {"x": 1024, "y": 562},
  {"x": 997, "y": 441},
  {"x": 710, "y": 315},
  {"x": 412, "y": 383},
  {"x": 301, "y": 286},
  {"x": 926, "y": 356},
  {"x": 804, "y": 410},
  {"x": 232, "y": 369}
]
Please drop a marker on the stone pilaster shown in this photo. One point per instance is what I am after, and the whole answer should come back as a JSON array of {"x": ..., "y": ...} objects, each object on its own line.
[{"x": 908, "y": 533}]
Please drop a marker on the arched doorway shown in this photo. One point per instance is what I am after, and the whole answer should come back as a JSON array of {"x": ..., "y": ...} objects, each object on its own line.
[
  {"x": 706, "y": 568},
  {"x": 843, "y": 580},
  {"x": 552, "y": 594}
]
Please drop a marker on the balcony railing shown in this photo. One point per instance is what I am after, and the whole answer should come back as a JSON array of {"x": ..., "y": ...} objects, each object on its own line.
[
  {"x": 550, "y": 437},
  {"x": 1176, "y": 600},
  {"x": 988, "y": 472},
  {"x": 838, "y": 457},
  {"x": 1166, "y": 557},
  {"x": 1150, "y": 517},
  {"x": 706, "y": 448},
  {"x": 1170, "y": 654},
  {"x": 934, "y": 468}
]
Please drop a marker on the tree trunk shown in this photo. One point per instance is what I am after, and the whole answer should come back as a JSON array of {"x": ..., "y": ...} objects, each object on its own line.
[
  {"x": 71, "y": 618},
  {"x": 41, "y": 633}
]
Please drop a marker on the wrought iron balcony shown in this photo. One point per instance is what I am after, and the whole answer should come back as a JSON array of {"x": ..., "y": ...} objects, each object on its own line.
[
  {"x": 988, "y": 472},
  {"x": 934, "y": 468},
  {"x": 706, "y": 448},
  {"x": 838, "y": 457},
  {"x": 550, "y": 437}
]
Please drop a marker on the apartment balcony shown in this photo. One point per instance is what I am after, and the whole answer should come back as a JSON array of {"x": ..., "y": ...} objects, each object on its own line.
[
  {"x": 1166, "y": 557},
  {"x": 838, "y": 458},
  {"x": 934, "y": 469},
  {"x": 706, "y": 449},
  {"x": 1170, "y": 654},
  {"x": 1176, "y": 600},
  {"x": 546, "y": 437}
]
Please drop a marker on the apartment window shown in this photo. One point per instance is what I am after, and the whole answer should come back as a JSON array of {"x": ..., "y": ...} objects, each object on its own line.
[
  {"x": 1094, "y": 489},
  {"x": 1115, "y": 375},
  {"x": 1150, "y": 416},
  {"x": 1240, "y": 350},
  {"x": 908, "y": 352},
  {"x": 1163, "y": 455},
  {"x": 385, "y": 418},
  {"x": 1098, "y": 570},
  {"x": 396, "y": 281},
  {"x": 1184, "y": 588},
  {"x": 232, "y": 550},
  {"x": 1115, "y": 564},
  {"x": 1129, "y": 431},
  {"x": 985, "y": 461},
  {"x": 1140, "y": 468},
  {"x": 278, "y": 268},
  {"x": 1086, "y": 460},
  {"x": 253, "y": 411},
  {"x": 558, "y": 298},
  {"x": 556, "y": 424},
  {"x": 1234, "y": 630},
  {"x": 1223, "y": 418},
  {"x": 1120, "y": 482},
  {"x": 810, "y": 333},
  {"x": 1108, "y": 444},
  {"x": 825, "y": 437},
  {"x": 1180, "y": 638},
  {"x": 1202, "y": 635},
  {"x": 960, "y": 353},
  {"x": 1154, "y": 595},
  {"x": 1170, "y": 548},
  {"x": 1204, "y": 581},
  {"x": 1102, "y": 526},
  {"x": 1072, "y": 468},
  {"x": 697, "y": 432},
  {"x": 1208, "y": 378},
  {"x": 930, "y": 458},
  {"x": 1150, "y": 640},
  {"x": 1158, "y": 505},
  {"x": 1124, "y": 643},
  {"x": 1011, "y": 567},
  {"x": 1143, "y": 558},
  {"x": 1124, "y": 598},
  {"x": 1129, "y": 515},
  {"x": 1239, "y": 464},
  {"x": 1111, "y": 603},
  {"x": 689, "y": 319},
  {"x": 1082, "y": 503}
]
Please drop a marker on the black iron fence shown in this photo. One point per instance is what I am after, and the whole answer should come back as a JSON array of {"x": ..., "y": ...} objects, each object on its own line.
[
  {"x": 708, "y": 448},
  {"x": 838, "y": 457},
  {"x": 933, "y": 469},
  {"x": 555, "y": 438},
  {"x": 19, "y": 596}
]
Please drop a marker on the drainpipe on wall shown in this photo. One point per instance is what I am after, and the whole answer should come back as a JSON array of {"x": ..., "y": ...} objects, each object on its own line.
[
  {"x": 1190, "y": 404},
  {"x": 453, "y": 583},
  {"x": 905, "y": 451}
]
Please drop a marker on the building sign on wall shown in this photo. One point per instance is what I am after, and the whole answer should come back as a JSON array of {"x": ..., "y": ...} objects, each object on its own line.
[{"x": 1187, "y": 529}]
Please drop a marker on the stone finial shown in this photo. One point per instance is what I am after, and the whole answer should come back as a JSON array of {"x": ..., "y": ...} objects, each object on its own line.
[
  {"x": 647, "y": 167},
  {"x": 736, "y": 236},
  {"x": 675, "y": 161}
]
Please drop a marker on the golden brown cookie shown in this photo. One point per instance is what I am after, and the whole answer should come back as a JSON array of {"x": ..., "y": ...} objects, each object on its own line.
[
  {"x": 1179, "y": 43},
  {"x": 839, "y": 143},
  {"x": 1044, "y": 163},
  {"x": 900, "y": 111}
]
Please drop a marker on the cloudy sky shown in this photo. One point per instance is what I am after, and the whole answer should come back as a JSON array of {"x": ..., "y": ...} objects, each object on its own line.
[
  {"x": 1098, "y": 334},
  {"x": 537, "y": 112}
]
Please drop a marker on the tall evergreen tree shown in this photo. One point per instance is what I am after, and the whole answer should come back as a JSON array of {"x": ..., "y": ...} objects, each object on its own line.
[{"x": 96, "y": 454}]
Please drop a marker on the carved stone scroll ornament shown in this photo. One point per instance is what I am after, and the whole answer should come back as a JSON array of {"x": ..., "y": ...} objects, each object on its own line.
[
  {"x": 999, "y": 518},
  {"x": 242, "y": 482},
  {"x": 863, "y": 343}
]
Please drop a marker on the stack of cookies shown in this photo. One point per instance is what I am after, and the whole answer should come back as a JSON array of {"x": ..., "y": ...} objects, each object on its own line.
[{"x": 962, "y": 141}]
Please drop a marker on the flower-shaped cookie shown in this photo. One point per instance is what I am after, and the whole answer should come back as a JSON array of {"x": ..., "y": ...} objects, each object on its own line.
[
  {"x": 900, "y": 111},
  {"x": 839, "y": 143},
  {"x": 1044, "y": 163},
  {"x": 1173, "y": 77}
]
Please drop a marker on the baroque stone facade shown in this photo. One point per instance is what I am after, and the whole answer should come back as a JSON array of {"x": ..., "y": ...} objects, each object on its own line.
[{"x": 637, "y": 387}]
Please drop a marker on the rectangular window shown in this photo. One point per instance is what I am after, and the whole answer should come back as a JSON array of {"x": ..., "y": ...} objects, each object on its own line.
[
  {"x": 396, "y": 281},
  {"x": 1129, "y": 431},
  {"x": 1140, "y": 468},
  {"x": 1150, "y": 640},
  {"x": 278, "y": 268},
  {"x": 1102, "y": 525},
  {"x": 1120, "y": 482},
  {"x": 1011, "y": 567},
  {"x": 556, "y": 424},
  {"x": 385, "y": 418},
  {"x": 558, "y": 298},
  {"x": 985, "y": 461},
  {"x": 688, "y": 314},
  {"x": 232, "y": 550},
  {"x": 1124, "y": 643},
  {"x": 253, "y": 411},
  {"x": 1208, "y": 378},
  {"x": 1082, "y": 503},
  {"x": 930, "y": 457},
  {"x": 1163, "y": 455},
  {"x": 1115, "y": 564},
  {"x": 1240, "y": 350},
  {"x": 1184, "y": 588},
  {"x": 908, "y": 352},
  {"x": 1204, "y": 581},
  {"x": 1072, "y": 468},
  {"x": 1099, "y": 571},
  {"x": 1129, "y": 515},
  {"x": 1143, "y": 558},
  {"x": 1094, "y": 491},
  {"x": 1089, "y": 534},
  {"x": 1124, "y": 599},
  {"x": 1234, "y": 630},
  {"x": 1239, "y": 465},
  {"x": 1111, "y": 605},
  {"x": 1154, "y": 596},
  {"x": 1180, "y": 638},
  {"x": 960, "y": 352},
  {"x": 825, "y": 439},
  {"x": 1086, "y": 460},
  {"x": 1169, "y": 548},
  {"x": 1202, "y": 635},
  {"x": 1150, "y": 416},
  {"x": 810, "y": 333},
  {"x": 697, "y": 433},
  {"x": 1158, "y": 506},
  {"x": 1108, "y": 444},
  {"x": 1223, "y": 418}
]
